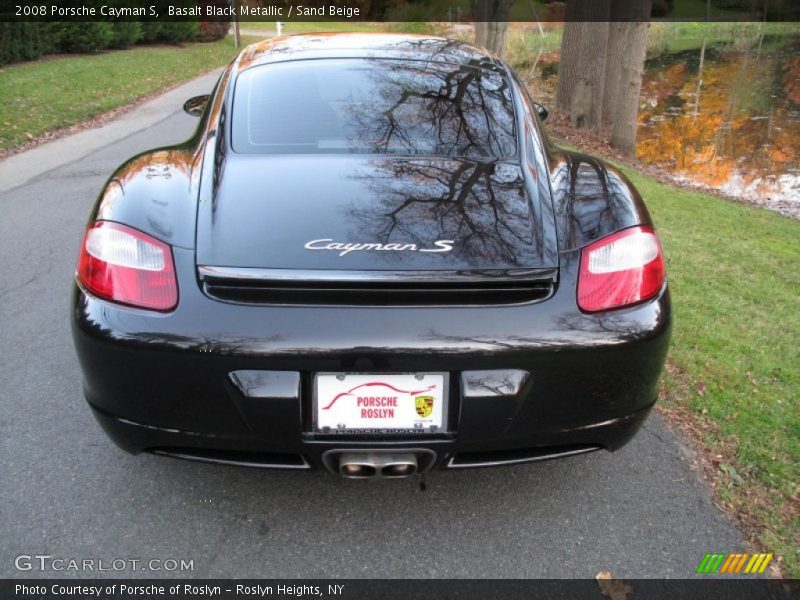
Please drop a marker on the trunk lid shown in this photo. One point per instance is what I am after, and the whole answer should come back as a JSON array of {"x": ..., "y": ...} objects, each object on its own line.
[{"x": 367, "y": 213}]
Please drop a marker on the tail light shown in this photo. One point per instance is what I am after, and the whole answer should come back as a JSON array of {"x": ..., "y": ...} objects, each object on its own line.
[
  {"x": 124, "y": 265},
  {"x": 622, "y": 269}
]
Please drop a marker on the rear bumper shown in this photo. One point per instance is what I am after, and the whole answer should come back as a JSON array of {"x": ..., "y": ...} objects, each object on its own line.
[
  {"x": 446, "y": 454},
  {"x": 162, "y": 383}
]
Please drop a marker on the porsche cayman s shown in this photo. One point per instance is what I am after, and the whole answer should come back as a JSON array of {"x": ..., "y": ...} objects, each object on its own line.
[{"x": 370, "y": 259}]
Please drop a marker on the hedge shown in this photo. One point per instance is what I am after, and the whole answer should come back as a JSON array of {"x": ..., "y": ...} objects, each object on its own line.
[
  {"x": 153, "y": 31},
  {"x": 24, "y": 41},
  {"x": 29, "y": 41}
]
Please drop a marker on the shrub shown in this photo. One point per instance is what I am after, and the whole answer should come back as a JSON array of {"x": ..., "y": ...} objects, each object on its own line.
[
  {"x": 150, "y": 31},
  {"x": 125, "y": 34},
  {"x": 183, "y": 31},
  {"x": 171, "y": 33},
  {"x": 9, "y": 51},
  {"x": 83, "y": 37},
  {"x": 414, "y": 18},
  {"x": 23, "y": 41},
  {"x": 211, "y": 31}
]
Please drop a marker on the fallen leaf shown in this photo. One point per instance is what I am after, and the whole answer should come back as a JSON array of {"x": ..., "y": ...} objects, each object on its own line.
[
  {"x": 613, "y": 589},
  {"x": 603, "y": 575}
]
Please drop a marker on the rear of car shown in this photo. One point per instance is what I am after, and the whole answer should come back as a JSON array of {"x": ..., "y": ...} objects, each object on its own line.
[{"x": 376, "y": 284}]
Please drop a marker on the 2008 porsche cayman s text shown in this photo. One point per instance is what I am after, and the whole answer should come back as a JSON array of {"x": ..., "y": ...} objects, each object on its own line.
[{"x": 369, "y": 258}]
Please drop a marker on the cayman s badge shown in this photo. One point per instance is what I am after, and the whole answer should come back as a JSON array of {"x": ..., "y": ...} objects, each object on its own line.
[{"x": 344, "y": 248}]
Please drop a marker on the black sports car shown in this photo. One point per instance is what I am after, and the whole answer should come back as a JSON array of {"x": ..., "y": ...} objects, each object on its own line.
[{"x": 369, "y": 258}]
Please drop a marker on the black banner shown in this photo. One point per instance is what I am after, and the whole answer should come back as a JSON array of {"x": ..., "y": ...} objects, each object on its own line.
[
  {"x": 390, "y": 589},
  {"x": 380, "y": 10}
]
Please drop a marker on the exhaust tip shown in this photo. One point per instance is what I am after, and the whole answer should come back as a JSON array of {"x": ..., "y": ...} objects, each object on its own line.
[
  {"x": 355, "y": 465},
  {"x": 378, "y": 462},
  {"x": 398, "y": 470},
  {"x": 356, "y": 471}
]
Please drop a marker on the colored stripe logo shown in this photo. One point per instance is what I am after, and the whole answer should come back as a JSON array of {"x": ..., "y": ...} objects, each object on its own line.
[{"x": 737, "y": 563}]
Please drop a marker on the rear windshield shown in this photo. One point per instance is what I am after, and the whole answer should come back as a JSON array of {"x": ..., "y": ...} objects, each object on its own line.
[{"x": 372, "y": 106}]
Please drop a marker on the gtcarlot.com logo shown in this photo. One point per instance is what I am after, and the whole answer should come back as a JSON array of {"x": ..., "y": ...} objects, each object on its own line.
[{"x": 47, "y": 562}]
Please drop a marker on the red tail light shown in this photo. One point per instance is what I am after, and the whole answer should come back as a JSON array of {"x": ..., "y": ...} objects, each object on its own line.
[
  {"x": 124, "y": 265},
  {"x": 622, "y": 269}
]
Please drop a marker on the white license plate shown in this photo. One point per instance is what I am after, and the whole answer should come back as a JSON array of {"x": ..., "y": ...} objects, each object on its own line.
[{"x": 382, "y": 404}]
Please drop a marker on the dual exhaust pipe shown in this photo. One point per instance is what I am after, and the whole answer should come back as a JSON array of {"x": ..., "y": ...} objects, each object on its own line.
[{"x": 364, "y": 465}]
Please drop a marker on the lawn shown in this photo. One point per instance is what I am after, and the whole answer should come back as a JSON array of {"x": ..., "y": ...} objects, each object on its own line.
[
  {"x": 45, "y": 95},
  {"x": 670, "y": 38},
  {"x": 734, "y": 364}
]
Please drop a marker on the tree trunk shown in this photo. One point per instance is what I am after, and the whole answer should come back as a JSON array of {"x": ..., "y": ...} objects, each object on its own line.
[
  {"x": 481, "y": 33},
  {"x": 490, "y": 19},
  {"x": 479, "y": 9},
  {"x": 496, "y": 38},
  {"x": 569, "y": 57},
  {"x": 699, "y": 88},
  {"x": 582, "y": 64},
  {"x": 587, "y": 106},
  {"x": 236, "y": 37},
  {"x": 623, "y": 12},
  {"x": 614, "y": 49},
  {"x": 623, "y": 134},
  {"x": 603, "y": 49}
]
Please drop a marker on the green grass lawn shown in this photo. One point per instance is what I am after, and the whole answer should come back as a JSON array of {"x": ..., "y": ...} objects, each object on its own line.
[
  {"x": 734, "y": 273},
  {"x": 670, "y": 38},
  {"x": 45, "y": 95}
]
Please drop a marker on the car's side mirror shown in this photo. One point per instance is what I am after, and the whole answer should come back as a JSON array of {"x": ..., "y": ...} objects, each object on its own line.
[
  {"x": 195, "y": 106},
  {"x": 541, "y": 111}
]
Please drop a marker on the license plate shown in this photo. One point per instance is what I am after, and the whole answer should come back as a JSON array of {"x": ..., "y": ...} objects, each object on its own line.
[{"x": 381, "y": 404}]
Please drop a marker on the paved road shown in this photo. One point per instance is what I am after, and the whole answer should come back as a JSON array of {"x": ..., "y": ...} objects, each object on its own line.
[{"x": 66, "y": 491}]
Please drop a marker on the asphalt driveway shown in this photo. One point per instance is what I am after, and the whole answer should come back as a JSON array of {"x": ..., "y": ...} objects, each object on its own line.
[{"x": 66, "y": 491}]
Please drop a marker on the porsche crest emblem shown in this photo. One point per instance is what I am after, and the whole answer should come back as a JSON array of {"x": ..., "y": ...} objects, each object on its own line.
[{"x": 424, "y": 405}]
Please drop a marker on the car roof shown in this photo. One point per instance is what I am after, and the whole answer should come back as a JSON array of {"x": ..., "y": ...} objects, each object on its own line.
[{"x": 364, "y": 45}]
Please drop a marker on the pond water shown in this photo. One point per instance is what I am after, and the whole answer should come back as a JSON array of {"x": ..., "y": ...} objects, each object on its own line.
[{"x": 727, "y": 118}]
